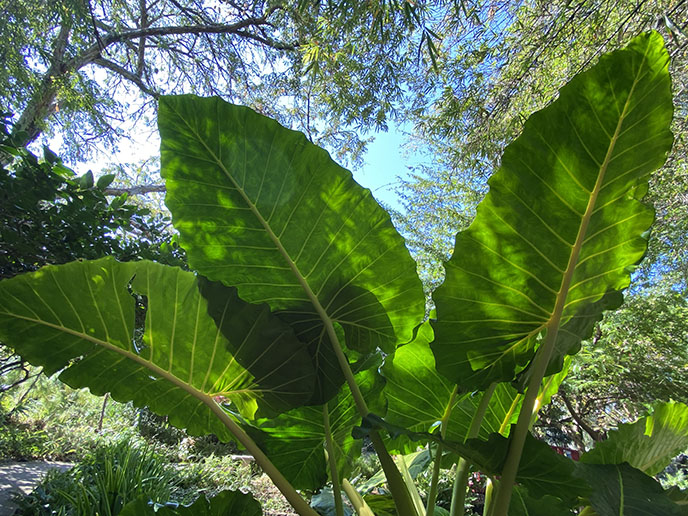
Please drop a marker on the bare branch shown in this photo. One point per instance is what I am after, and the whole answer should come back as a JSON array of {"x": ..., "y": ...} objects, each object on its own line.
[
  {"x": 41, "y": 105},
  {"x": 596, "y": 436},
  {"x": 95, "y": 24},
  {"x": 142, "y": 39},
  {"x": 265, "y": 41},
  {"x": 136, "y": 79},
  {"x": 135, "y": 190},
  {"x": 42, "y": 102},
  {"x": 235, "y": 28}
]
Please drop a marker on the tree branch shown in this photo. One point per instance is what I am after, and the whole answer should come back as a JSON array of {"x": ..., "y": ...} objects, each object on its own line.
[
  {"x": 135, "y": 190},
  {"x": 235, "y": 28},
  {"x": 596, "y": 436},
  {"x": 136, "y": 79},
  {"x": 41, "y": 103},
  {"x": 142, "y": 39},
  {"x": 39, "y": 106}
]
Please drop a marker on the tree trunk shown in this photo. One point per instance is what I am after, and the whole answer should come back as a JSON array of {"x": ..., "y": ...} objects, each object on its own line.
[{"x": 42, "y": 102}]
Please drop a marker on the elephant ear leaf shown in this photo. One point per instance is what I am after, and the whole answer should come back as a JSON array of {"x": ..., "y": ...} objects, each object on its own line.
[
  {"x": 261, "y": 208},
  {"x": 622, "y": 489},
  {"x": 562, "y": 224},
  {"x": 80, "y": 318},
  {"x": 418, "y": 396},
  {"x": 649, "y": 444}
]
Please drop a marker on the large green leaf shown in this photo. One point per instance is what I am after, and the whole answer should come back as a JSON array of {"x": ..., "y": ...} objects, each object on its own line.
[
  {"x": 523, "y": 503},
  {"x": 261, "y": 208},
  {"x": 623, "y": 490},
  {"x": 418, "y": 396},
  {"x": 81, "y": 317},
  {"x": 649, "y": 444},
  {"x": 223, "y": 504},
  {"x": 562, "y": 224},
  {"x": 295, "y": 441}
]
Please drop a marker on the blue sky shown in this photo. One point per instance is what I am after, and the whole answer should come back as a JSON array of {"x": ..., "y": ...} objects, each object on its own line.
[{"x": 385, "y": 161}]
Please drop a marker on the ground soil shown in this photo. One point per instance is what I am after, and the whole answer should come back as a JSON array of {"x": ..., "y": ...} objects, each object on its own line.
[{"x": 22, "y": 476}]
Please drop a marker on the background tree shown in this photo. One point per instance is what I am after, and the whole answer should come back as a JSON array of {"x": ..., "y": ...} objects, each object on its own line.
[
  {"x": 85, "y": 69},
  {"x": 48, "y": 215}
]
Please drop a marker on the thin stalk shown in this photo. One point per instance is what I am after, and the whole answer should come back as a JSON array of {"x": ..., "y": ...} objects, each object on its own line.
[
  {"x": 512, "y": 409},
  {"x": 332, "y": 461},
  {"x": 458, "y": 501},
  {"x": 293, "y": 497},
  {"x": 395, "y": 482},
  {"x": 360, "y": 506},
  {"x": 26, "y": 393},
  {"x": 491, "y": 489},
  {"x": 518, "y": 436},
  {"x": 432, "y": 495},
  {"x": 463, "y": 466},
  {"x": 415, "y": 495},
  {"x": 102, "y": 412},
  {"x": 538, "y": 401}
]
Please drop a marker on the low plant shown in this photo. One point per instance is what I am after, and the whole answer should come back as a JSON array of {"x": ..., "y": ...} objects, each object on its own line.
[
  {"x": 102, "y": 484},
  {"x": 23, "y": 442},
  {"x": 56, "y": 422},
  {"x": 301, "y": 332},
  {"x": 210, "y": 475}
]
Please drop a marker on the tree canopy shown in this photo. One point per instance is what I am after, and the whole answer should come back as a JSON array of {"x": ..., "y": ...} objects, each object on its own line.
[{"x": 83, "y": 70}]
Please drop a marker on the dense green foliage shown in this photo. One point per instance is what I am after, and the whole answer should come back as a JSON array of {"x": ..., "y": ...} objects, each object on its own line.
[
  {"x": 48, "y": 215},
  {"x": 302, "y": 285},
  {"x": 103, "y": 483}
]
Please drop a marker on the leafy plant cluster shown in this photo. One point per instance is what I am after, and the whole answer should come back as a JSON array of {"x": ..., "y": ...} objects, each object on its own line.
[
  {"x": 302, "y": 331},
  {"x": 49, "y": 215},
  {"x": 103, "y": 483}
]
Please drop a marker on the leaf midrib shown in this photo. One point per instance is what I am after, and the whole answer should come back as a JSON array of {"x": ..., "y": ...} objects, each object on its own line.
[
  {"x": 198, "y": 394},
  {"x": 554, "y": 321},
  {"x": 327, "y": 321}
]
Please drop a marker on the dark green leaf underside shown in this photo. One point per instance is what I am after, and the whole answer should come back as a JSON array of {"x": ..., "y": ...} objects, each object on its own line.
[{"x": 223, "y": 504}]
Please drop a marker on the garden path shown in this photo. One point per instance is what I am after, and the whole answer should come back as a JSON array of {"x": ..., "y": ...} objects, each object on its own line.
[{"x": 22, "y": 476}]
